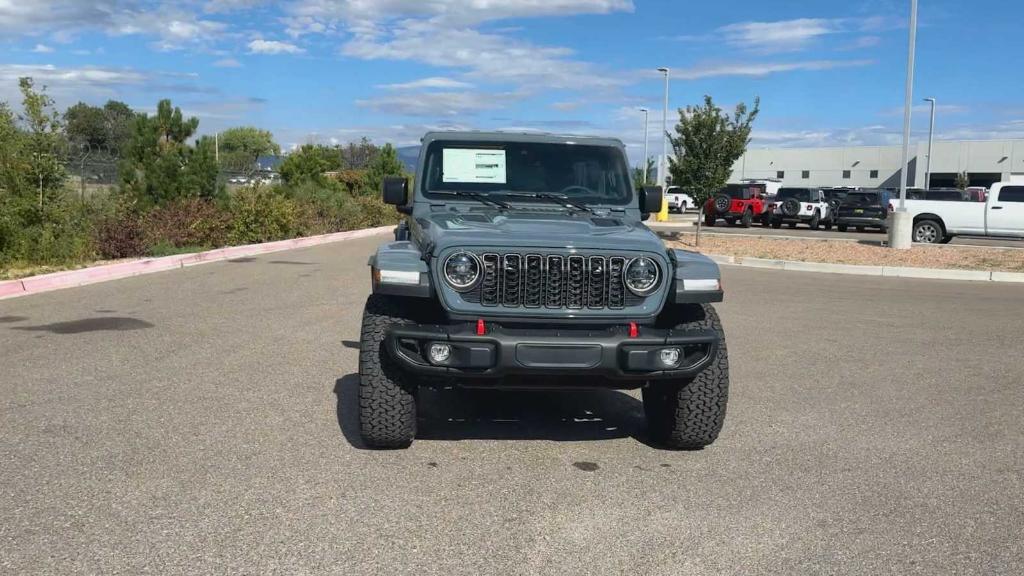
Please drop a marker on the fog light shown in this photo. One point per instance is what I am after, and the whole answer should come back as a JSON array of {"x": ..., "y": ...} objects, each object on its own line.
[
  {"x": 669, "y": 357},
  {"x": 440, "y": 353}
]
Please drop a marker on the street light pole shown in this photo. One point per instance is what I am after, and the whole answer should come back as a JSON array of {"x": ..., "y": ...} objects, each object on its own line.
[
  {"x": 900, "y": 229},
  {"x": 663, "y": 161},
  {"x": 646, "y": 125},
  {"x": 931, "y": 137}
]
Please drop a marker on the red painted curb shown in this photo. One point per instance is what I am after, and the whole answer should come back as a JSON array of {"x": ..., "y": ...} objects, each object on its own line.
[{"x": 71, "y": 278}]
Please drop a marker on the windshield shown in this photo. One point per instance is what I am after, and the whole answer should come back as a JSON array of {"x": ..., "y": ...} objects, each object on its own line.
[
  {"x": 587, "y": 174},
  {"x": 802, "y": 194}
]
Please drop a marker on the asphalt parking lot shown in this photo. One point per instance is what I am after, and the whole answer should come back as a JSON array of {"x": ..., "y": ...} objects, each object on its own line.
[
  {"x": 685, "y": 223},
  {"x": 203, "y": 421}
]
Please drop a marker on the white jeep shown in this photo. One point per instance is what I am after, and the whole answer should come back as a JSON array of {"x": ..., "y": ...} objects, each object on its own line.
[{"x": 801, "y": 205}]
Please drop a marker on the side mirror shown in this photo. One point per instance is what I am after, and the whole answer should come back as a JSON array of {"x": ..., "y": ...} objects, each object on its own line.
[
  {"x": 395, "y": 190},
  {"x": 650, "y": 199}
]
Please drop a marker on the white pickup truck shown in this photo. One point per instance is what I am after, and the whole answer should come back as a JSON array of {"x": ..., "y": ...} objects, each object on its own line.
[{"x": 938, "y": 221}]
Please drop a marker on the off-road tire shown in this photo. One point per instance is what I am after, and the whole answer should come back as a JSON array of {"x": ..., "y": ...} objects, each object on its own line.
[
  {"x": 747, "y": 219},
  {"x": 721, "y": 203},
  {"x": 815, "y": 221},
  {"x": 688, "y": 414},
  {"x": 387, "y": 396},
  {"x": 828, "y": 225}
]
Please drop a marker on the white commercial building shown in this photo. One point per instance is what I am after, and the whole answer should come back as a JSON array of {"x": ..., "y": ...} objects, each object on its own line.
[{"x": 984, "y": 161}]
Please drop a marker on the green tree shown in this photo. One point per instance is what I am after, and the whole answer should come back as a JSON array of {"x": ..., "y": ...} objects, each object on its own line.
[
  {"x": 159, "y": 165},
  {"x": 963, "y": 181},
  {"x": 706, "y": 144},
  {"x": 105, "y": 128},
  {"x": 642, "y": 175},
  {"x": 309, "y": 163},
  {"x": 241, "y": 146},
  {"x": 386, "y": 163},
  {"x": 44, "y": 140}
]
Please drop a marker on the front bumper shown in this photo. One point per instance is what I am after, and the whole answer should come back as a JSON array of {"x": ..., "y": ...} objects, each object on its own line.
[{"x": 608, "y": 352}]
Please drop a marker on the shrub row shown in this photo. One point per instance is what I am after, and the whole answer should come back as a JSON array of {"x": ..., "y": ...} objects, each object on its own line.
[{"x": 112, "y": 227}]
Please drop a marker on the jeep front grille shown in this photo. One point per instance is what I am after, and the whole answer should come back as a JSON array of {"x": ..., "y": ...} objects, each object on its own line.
[{"x": 552, "y": 281}]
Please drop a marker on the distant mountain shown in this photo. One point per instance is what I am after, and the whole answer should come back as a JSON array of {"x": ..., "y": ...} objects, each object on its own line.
[{"x": 408, "y": 155}]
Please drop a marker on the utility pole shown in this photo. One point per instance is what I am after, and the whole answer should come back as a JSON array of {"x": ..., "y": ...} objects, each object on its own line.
[
  {"x": 900, "y": 229},
  {"x": 931, "y": 138},
  {"x": 663, "y": 161},
  {"x": 646, "y": 125}
]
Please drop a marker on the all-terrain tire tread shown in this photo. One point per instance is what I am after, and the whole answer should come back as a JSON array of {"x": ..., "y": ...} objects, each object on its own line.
[
  {"x": 387, "y": 399},
  {"x": 689, "y": 415}
]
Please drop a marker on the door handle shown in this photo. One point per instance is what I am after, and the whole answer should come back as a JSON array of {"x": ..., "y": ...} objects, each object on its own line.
[{"x": 997, "y": 207}]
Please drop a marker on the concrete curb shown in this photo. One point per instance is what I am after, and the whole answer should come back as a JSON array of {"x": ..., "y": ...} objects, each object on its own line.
[
  {"x": 884, "y": 271},
  {"x": 84, "y": 276}
]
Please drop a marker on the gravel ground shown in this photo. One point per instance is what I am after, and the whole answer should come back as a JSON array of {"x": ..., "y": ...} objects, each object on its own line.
[{"x": 844, "y": 252}]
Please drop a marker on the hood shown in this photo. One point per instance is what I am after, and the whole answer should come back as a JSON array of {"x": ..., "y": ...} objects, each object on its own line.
[{"x": 538, "y": 229}]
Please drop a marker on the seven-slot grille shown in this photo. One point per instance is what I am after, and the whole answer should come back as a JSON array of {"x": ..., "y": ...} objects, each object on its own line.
[{"x": 551, "y": 281}]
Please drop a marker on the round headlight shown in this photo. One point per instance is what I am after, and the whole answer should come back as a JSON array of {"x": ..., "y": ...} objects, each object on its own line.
[
  {"x": 641, "y": 276},
  {"x": 462, "y": 270}
]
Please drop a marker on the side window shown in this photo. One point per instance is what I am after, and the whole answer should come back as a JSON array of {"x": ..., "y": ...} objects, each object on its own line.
[
  {"x": 873, "y": 174},
  {"x": 780, "y": 174},
  {"x": 1012, "y": 194},
  {"x": 846, "y": 174},
  {"x": 806, "y": 174}
]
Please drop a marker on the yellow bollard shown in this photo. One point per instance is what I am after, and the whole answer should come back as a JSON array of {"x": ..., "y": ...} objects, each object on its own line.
[{"x": 663, "y": 214}]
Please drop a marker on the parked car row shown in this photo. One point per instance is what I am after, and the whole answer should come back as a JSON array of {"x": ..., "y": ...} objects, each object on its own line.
[{"x": 939, "y": 214}]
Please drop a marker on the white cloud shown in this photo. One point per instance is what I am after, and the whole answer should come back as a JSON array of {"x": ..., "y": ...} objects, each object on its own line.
[
  {"x": 432, "y": 82},
  {"x": 485, "y": 57},
  {"x": 260, "y": 46},
  {"x": 363, "y": 14},
  {"x": 566, "y": 106},
  {"x": 761, "y": 68},
  {"x": 438, "y": 104},
  {"x": 227, "y": 63},
  {"x": 781, "y": 36},
  {"x": 86, "y": 76},
  {"x": 42, "y": 49}
]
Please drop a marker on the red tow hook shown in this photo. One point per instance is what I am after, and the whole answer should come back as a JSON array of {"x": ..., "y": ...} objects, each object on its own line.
[
  {"x": 481, "y": 328},
  {"x": 634, "y": 330}
]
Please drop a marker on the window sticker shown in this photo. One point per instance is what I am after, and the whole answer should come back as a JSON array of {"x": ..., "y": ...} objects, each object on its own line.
[{"x": 473, "y": 166}]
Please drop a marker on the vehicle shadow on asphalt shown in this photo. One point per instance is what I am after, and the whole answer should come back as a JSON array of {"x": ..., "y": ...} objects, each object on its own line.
[{"x": 472, "y": 414}]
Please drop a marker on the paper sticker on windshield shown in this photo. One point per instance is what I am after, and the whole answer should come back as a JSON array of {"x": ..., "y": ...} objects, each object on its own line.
[{"x": 474, "y": 165}]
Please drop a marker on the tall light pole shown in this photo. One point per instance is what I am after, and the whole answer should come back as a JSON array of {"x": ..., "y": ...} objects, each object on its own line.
[
  {"x": 646, "y": 126},
  {"x": 931, "y": 138},
  {"x": 900, "y": 229},
  {"x": 663, "y": 161}
]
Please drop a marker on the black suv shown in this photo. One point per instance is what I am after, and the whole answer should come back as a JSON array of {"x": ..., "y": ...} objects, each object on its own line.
[{"x": 863, "y": 209}]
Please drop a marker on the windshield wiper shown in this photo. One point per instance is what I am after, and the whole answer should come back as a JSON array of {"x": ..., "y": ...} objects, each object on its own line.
[
  {"x": 482, "y": 198},
  {"x": 555, "y": 198}
]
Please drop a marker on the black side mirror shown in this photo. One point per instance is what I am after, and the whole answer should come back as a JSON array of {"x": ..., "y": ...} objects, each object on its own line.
[
  {"x": 650, "y": 199},
  {"x": 395, "y": 190}
]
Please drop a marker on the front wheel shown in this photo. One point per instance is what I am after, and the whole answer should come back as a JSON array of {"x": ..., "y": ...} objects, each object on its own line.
[
  {"x": 928, "y": 232},
  {"x": 387, "y": 396},
  {"x": 815, "y": 221},
  {"x": 747, "y": 219},
  {"x": 688, "y": 414}
]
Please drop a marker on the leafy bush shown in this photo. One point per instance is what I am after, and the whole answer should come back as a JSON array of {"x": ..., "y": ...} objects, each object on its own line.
[
  {"x": 262, "y": 214},
  {"x": 120, "y": 235},
  {"x": 191, "y": 222}
]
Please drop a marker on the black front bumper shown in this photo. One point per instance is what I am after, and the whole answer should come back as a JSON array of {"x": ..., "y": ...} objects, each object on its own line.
[{"x": 607, "y": 352}]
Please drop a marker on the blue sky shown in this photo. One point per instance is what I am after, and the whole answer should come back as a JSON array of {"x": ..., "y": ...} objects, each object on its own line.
[{"x": 827, "y": 72}]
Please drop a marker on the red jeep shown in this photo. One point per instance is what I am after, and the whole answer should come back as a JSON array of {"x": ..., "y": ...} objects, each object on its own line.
[{"x": 743, "y": 203}]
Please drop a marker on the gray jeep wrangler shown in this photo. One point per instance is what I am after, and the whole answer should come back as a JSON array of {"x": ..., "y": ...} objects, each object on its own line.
[{"x": 523, "y": 262}]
